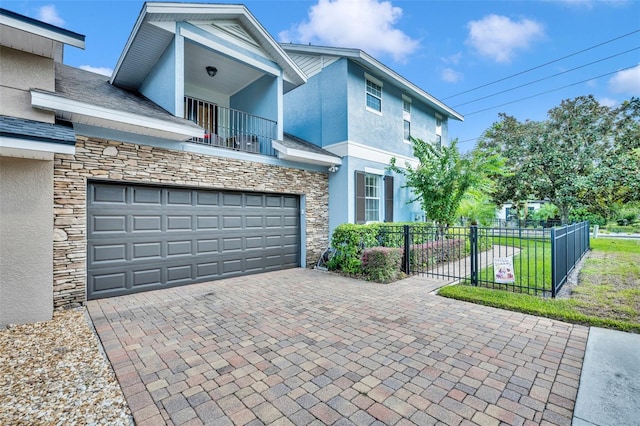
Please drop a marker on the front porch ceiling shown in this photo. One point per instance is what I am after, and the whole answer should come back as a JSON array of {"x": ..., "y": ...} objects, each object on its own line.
[{"x": 232, "y": 75}]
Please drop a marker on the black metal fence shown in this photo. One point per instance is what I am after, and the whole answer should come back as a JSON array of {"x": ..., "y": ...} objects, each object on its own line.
[
  {"x": 527, "y": 260},
  {"x": 568, "y": 245}
]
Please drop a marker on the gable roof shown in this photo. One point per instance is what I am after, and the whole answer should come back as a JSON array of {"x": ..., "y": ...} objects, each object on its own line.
[
  {"x": 147, "y": 41},
  {"x": 378, "y": 69},
  {"x": 85, "y": 97}
]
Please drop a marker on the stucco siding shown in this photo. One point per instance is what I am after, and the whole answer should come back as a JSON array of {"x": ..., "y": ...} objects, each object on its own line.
[
  {"x": 260, "y": 98},
  {"x": 26, "y": 250},
  {"x": 19, "y": 73},
  {"x": 99, "y": 159},
  {"x": 160, "y": 84}
]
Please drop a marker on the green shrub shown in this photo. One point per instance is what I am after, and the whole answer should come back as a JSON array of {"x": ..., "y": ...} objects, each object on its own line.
[
  {"x": 429, "y": 254},
  {"x": 581, "y": 214},
  {"x": 349, "y": 241},
  {"x": 382, "y": 264}
]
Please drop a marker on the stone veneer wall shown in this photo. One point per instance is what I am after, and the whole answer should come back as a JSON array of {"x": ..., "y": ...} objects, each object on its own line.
[{"x": 116, "y": 161}]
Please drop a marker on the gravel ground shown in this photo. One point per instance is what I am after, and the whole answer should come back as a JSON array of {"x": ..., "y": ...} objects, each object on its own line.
[{"x": 53, "y": 373}]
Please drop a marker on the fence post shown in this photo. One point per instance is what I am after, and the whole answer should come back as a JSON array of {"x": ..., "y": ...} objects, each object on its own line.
[
  {"x": 553, "y": 262},
  {"x": 473, "y": 243},
  {"x": 407, "y": 250}
]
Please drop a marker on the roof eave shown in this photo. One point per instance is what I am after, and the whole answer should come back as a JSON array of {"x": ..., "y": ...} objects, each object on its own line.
[
  {"x": 77, "y": 111},
  {"x": 367, "y": 60}
]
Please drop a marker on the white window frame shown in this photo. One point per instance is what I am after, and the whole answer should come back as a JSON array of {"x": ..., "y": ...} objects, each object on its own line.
[
  {"x": 373, "y": 80},
  {"x": 378, "y": 175},
  {"x": 438, "y": 140},
  {"x": 406, "y": 116}
]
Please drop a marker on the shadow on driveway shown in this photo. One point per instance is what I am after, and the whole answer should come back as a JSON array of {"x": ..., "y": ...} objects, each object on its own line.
[{"x": 303, "y": 347}]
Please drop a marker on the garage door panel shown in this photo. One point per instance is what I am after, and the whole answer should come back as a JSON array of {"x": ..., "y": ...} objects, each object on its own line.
[
  {"x": 209, "y": 198},
  {"x": 254, "y": 222},
  {"x": 108, "y": 253},
  {"x": 147, "y": 277},
  {"x": 206, "y": 222},
  {"x": 146, "y": 195},
  {"x": 146, "y": 251},
  {"x": 179, "y": 248},
  {"x": 232, "y": 244},
  {"x": 177, "y": 274},
  {"x": 207, "y": 246},
  {"x": 110, "y": 282},
  {"x": 232, "y": 200},
  {"x": 144, "y": 237},
  {"x": 254, "y": 201},
  {"x": 207, "y": 270},
  {"x": 109, "y": 194},
  {"x": 108, "y": 224},
  {"x": 146, "y": 223},
  {"x": 179, "y": 197}
]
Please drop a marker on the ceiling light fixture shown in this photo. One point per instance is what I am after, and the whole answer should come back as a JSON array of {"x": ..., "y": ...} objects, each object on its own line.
[{"x": 212, "y": 71}]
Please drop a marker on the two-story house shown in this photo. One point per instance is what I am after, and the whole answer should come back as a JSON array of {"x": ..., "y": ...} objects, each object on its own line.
[
  {"x": 361, "y": 110},
  {"x": 174, "y": 170}
]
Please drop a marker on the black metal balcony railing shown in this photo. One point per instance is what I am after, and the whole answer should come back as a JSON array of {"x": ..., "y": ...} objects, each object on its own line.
[{"x": 230, "y": 128}]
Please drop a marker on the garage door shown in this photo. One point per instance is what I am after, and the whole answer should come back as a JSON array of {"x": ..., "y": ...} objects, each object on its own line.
[{"x": 146, "y": 238}]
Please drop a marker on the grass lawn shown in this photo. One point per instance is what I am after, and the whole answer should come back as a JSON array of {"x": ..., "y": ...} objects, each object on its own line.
[
  {"x": 532, "y": 266},
  {"x": 608, "y": 293}
]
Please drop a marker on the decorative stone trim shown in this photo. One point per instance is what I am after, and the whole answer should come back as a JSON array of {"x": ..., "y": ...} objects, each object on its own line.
[{"x": 97, "y": 159}]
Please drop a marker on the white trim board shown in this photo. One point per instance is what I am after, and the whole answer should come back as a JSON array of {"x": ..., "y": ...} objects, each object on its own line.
[{"x": 364, "y": 152}]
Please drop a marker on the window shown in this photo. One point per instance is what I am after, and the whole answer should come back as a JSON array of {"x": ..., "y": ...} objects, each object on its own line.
[
  {"x": 407, "y": 130},
  {"x": 371, "y": 198},
  {"x": 406, "y": 117},
  {"x": 406, "y": 105},
  {"x": 438, "y": 131},
  {"x": 374, "y": 95}
]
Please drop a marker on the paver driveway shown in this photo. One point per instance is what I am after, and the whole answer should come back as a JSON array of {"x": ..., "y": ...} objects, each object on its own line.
[{"x": 305, "y": 347}]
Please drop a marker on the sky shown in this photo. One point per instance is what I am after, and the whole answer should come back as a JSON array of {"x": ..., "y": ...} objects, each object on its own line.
[{"x": 480, "y": 58}]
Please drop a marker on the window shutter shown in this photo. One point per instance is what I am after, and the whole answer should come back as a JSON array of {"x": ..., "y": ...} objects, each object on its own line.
[
  {"x": 388, "y": 198},
  {"x": 360, "y": 197}
]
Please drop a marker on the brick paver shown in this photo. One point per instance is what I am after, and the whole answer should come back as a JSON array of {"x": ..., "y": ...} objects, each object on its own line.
[{"x": 305, "y": 347}]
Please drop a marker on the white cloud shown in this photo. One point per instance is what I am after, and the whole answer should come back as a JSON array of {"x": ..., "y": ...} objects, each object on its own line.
[
  {"x": 499, "y": 38},
  {"x": 590, "y": 4},
  {"x": 49, "y": 14},
  {"x": 453, "y": 59},
  {"x": 626, "y": 82},
  {"x": 608, "y": 102},
  {"x": 450, "y": 75},
  {"x": 98, "y": 70},
  {"x": 363, "y": 24}
]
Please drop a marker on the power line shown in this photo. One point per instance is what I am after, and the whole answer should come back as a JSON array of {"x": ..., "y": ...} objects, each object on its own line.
[
  {"x": 545, "y": 78},
  {"x": 542, "y": 65},
  {"x": 551, "y": 90}
]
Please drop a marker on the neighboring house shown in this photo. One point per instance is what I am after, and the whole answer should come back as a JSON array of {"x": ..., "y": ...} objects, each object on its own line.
[
  {"x": 29, "y": 140},
  {"x": 359, "y": 109},
  {"x": 508, "y": 212},
  {"x": 173, "y": 171}
]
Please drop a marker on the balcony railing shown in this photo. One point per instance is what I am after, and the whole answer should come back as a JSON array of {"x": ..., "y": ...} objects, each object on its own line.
[{"x": 230, "y": 128}]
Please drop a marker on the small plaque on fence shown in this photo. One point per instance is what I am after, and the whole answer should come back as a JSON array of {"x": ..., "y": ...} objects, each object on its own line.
[{"x": 503, "y": 269}]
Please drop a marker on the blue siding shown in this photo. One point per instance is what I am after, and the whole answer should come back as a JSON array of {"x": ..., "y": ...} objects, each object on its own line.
[
  {"x": 317, "y": 110},
  {"x": 259, "y": 98},
  {"x": 342, "y": 194},
  {"x": 160, "y": 84}
]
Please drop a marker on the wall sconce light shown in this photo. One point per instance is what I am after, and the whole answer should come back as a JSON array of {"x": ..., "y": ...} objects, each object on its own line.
[
  {"x": 212, "y": 71},
  {"x": 333, "y": 169}
]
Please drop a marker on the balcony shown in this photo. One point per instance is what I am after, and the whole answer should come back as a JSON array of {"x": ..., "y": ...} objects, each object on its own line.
[{"x": 231, "y": 129}]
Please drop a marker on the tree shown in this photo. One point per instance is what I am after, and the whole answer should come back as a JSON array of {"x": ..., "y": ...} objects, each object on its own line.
[
  {"x": 443, "y": 176},
  {"x": 477, "y": 206},
  {"x": 585, "y": 154}
]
